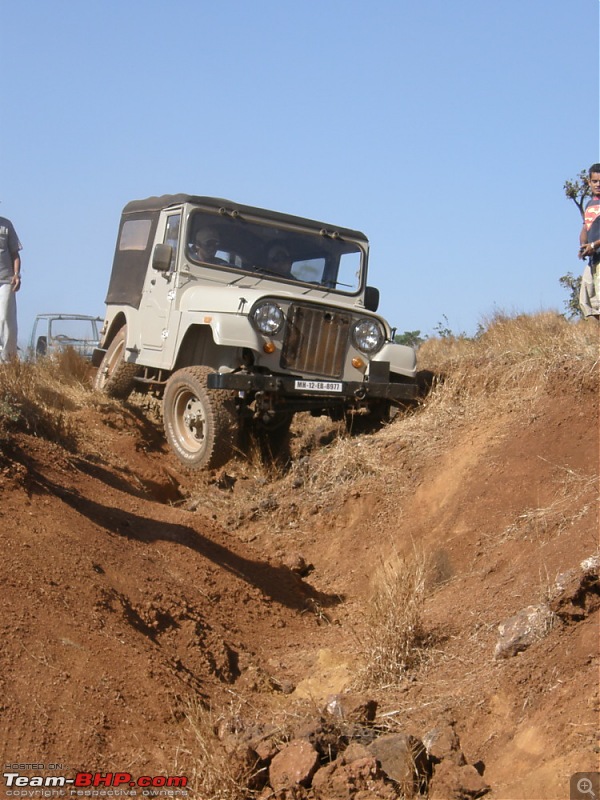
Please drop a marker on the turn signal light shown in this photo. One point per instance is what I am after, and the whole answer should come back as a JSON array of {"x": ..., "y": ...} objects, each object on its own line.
[
  {"x": 358, "y": 363},
  {"x": 269, "y": 347}
]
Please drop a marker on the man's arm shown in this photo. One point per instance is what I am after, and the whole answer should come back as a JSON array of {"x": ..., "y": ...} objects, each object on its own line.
[
  {"x": 16, "y": 279},
  {"x": 586, "y": 248}
]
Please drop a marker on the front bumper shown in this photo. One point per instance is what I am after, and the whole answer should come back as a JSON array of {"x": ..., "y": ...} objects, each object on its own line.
[{"x": 292, "y": 386}]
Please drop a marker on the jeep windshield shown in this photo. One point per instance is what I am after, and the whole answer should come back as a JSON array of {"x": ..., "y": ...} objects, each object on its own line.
[{"x": 277, "y": 251}]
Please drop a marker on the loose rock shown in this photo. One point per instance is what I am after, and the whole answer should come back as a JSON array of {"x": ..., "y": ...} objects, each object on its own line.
[
  {"x": 402, "y": 758},
  {"x": 294, "y": 765},
  {"x": 443, "y": 742},
  {"x": 523, "y": 629},
  {"x": 576, "y": 593},
  {"x": 353, "y": 708},
  {"x": 451, "y": 782},
  {"x": 358, "y": 780}
]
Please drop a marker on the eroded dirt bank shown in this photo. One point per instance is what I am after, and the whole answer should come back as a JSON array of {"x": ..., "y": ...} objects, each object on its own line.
[{"x": 132, "y": 592}]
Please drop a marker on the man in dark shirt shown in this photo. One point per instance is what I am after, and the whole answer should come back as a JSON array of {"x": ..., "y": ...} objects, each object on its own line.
[{"x": 10, "y": 283}]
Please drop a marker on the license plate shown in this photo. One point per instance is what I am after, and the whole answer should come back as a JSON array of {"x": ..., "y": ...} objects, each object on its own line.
[{"x": 319, "y": 386}]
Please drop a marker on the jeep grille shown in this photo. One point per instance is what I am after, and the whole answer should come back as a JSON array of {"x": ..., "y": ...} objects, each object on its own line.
[{"x": 316, "y": 340}]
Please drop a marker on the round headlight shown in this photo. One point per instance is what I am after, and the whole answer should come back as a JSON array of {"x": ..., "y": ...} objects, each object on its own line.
[
  {"x": 368, "y": 335},
  {"x": 268, "y": 318}
]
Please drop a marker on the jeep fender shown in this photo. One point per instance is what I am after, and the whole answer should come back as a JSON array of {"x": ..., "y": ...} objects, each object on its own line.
[
  {"x": 401, "y": 358},
  {"x": 228, "y": 330},
  {"x": 117, "y": 322},
  {"x": 114, "y": 327}
]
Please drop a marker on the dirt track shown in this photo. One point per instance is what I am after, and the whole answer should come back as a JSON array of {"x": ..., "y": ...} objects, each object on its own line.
[{"x": 120, "y": 606}]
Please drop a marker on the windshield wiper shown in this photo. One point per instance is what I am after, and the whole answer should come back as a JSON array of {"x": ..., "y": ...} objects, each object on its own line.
[{"x": 266, "y": 271}]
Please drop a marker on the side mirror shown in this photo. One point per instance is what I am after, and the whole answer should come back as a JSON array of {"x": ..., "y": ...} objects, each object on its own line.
[
  {"x": 371, "y": 298},
  {"x": 161, "y": 257}
]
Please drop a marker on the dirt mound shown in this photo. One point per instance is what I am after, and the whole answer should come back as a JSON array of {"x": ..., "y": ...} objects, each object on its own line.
[{"x": 136, "y": 597}]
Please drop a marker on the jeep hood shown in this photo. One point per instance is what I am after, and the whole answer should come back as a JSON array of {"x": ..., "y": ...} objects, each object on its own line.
[{"x": 239, "y": 298}]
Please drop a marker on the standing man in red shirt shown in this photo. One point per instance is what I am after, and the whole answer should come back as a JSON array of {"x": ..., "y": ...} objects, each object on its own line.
[{"x": 589, "y": 247}]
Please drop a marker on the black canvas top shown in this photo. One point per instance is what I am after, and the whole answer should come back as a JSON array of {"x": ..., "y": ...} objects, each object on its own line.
[
  {"x": 228, "y": 206},
  {"x": 130, "y": 265}
]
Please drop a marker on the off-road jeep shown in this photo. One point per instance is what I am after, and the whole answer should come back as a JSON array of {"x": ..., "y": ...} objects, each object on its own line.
[
  {"x": 239, "y": 317},
  {"x": 52, "y": 333}
]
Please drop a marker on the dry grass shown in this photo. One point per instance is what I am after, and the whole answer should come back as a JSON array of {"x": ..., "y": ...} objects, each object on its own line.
[
  {"x": 506, "y": 368},
  {"x": 336, "y": 467},
  {"x": 216, "y": 772},
  {"x": 510, "y": 365},
  {"x": 38, "y": 397},
  {"x": 392, "y": 640},
  {"x": 514, "y": 353},
  {"x": 575, "y": 496},
  {"x": 317, "y": 473}
]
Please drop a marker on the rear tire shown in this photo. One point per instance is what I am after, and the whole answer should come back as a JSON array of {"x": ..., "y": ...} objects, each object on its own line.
[
  {"x": 115, "y": 376},
  {"x": 200, "y": 423}
]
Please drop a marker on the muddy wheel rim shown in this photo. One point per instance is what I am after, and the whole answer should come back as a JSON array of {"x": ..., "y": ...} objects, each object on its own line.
[
  {"x": 113, "y": 361},
  {"x": 190, "y": 421}
]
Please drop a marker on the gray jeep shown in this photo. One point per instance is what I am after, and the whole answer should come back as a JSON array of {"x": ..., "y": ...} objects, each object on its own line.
[
  {"x": 239, "y": 317},
  {"x": 53, "y": 333}
]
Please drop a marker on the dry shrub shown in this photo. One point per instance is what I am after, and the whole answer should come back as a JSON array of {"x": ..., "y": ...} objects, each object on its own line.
[
  {"x": 215, "y": 772},
  {"x": 37, "y": 397},
  {"x": 514, "y": 352},
  {"x": 393, "y": 637},
  {"x": 266, "y": 458},
  {"x": 69, "y": 367},
  {"x": 338, "y": 465},
  {"x": 506, "y": 367}
]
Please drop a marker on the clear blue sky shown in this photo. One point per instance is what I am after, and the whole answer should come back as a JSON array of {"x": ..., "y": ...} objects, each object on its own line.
[{"x": 443, "y": 130}]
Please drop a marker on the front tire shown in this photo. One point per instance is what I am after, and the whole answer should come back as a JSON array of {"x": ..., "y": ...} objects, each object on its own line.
[
  {"x": 115, "y": 376},
  {"x": 200, "y": 424}
]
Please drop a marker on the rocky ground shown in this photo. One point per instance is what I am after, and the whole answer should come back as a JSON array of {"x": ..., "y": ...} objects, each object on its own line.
[{"x": 213, "y": 626}]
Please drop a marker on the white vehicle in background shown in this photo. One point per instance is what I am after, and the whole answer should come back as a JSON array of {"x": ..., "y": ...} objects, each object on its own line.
[
  {"x": 52, "y": 333},
  {"x": 239, "y": 317}
]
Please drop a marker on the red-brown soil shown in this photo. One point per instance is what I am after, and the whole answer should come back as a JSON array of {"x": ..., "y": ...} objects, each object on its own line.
[{"x": 130, "y": 591}]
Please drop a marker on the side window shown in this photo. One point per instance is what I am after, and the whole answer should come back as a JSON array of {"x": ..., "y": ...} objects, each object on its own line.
[
  {"x": 134, "y": 234},
  {"x": 172, "y": 236}
]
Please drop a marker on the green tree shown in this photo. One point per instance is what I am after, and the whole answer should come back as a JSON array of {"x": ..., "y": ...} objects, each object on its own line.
[
  {"x": 577, "y": 191},
  {"x": 573, "y": 286},
  {"x": 411, "y": 338}
]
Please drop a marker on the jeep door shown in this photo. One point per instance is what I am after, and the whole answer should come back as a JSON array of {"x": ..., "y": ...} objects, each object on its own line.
[{"x": 158, "y": 300}]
